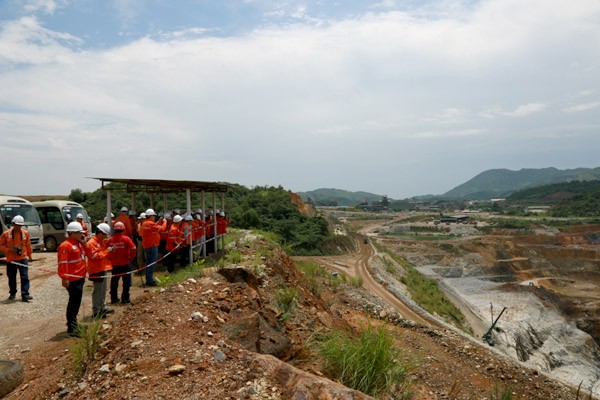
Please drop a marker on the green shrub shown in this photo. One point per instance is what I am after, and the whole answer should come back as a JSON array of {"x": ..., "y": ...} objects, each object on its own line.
[
  {"x": 369, "y": 362},
  {"x": 501, "y": 393},
  {"x": 196, "y": 270},
  {"x": 285, "y": 300}
]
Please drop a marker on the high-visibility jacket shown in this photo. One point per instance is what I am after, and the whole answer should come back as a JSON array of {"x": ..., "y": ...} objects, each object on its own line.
[
  {"x": 125, "y": 220},
  {"x": 165, "y": 233},
  {"x": 86, "y": 232},
  {"x": 197, "y": 230},
  {"x": 124, "y": 249},
  {"x": 98, "y": 256},
  {"x": 10, "y": 241},
  {"x": 175, "y": 237},
  {"x": 151, "y": 233},
  {"x": 71, "y": 260},
  {"x": 133, "y": 223},
  {"x": 222, "y": 224}
]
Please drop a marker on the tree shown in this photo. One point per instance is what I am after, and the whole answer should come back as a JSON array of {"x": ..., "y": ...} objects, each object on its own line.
[{"x": 77, "y": 196}]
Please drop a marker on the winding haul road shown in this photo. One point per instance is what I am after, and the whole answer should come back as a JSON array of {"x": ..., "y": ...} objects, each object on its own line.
[{"x": 356, "y": 265}]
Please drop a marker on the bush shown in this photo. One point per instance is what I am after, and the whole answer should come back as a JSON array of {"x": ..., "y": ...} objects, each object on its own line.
[
  {"x": 285, "y": 300},
  {"x": 83, "y": 350},
  {"x": 369, "y": 362}
]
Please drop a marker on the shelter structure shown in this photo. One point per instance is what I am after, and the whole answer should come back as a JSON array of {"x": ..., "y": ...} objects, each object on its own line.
[{"x": 163, "y": 187}]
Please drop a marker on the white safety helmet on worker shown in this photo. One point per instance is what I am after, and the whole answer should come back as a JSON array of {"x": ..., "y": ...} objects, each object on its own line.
[
  {"x": 104, "y": 228},
  {"x": 150, "y": 212},
  {"x": 18, "y": 220},
  {"x": 74, "y": 227},
  {"x": 177, "y": 219}
]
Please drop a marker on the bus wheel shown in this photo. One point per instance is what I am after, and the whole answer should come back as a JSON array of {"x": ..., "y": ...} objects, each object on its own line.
[{"x": 50, "y": 243}]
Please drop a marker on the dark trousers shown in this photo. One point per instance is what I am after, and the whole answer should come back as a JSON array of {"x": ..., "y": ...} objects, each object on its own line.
[
  {"x": 120, "y": 271},
  {"x": 11, "y": 272},
  {"x": 75, "y": 290},
  {"x": 170, "y": 261}
]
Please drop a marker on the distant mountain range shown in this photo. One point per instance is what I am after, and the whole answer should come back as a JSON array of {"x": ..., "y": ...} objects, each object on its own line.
[
  {"x": 493, "y": 183},
  {"x": 338, "y": 197},
  {"x": 500, "y": 183}
]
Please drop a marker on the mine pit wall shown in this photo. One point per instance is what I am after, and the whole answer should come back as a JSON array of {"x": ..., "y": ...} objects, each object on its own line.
[{"x": 552, "y": 325}]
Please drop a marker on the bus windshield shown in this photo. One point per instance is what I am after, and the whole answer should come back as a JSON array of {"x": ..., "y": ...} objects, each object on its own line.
[
  {"x": 27, "y": 211},
  {"x": 70, "y": 213}
]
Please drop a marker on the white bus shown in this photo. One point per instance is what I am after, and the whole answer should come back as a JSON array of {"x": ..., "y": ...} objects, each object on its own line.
[
  {"x": 55, "y": 216},
  {"x": 11, "y": 206}
]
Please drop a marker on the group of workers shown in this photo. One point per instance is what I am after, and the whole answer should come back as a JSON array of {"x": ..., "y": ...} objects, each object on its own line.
[{"x": 111, "y": 250}]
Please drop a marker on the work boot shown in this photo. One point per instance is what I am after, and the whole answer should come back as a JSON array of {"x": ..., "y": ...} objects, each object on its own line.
[
  {"x": 26, "y": 298},
  {"x": 12, "y": 297}
]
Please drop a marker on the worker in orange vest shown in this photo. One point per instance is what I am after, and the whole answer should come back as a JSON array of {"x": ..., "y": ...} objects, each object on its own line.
[
  {"x": 71, "y": 269},
  {"x": 86, "y": 232},
  {"x": 124, "y": 252},
  {"x": 175, "y": 239},
  {"x": 16, "y": 245},
  {"x": 98, "y": 266},
  {"x": 124, "y": 218},
  {"x": 151, "y": 230}
]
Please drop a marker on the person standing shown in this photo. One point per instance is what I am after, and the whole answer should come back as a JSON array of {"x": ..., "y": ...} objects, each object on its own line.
[
  {"x": 98, "y": 266},
  {"x": 16, "y": 245},
  {"x": 86, "y": 231},
  {"x": 150, "y": 240},
  {"x": 124, "y": 218},
  {"x": 71, "y": 269},
  {"x": 122, "y": 256},
  {"x": 174, "y": 241}
]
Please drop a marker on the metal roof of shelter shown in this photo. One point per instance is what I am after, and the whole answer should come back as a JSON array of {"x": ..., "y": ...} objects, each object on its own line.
[{"x": 165, "y": 186}]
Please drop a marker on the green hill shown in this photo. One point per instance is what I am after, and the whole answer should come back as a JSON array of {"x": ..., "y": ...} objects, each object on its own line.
[
  {"x": 326, "y": 197},
  {"x": 500, "y": 183}
]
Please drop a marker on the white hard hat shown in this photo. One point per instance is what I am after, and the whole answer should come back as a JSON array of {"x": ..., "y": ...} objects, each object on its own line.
[
  {"x": 222, "y": 214},
  {"x": 18, "y": 220},
  {"x": 104, "y": 228},
  {"x": 177, "y": 219},
  {"x": 199, "y": 211},
  {"x": 74, "y": 227},
  {"x": 168, "y": 215},
  {"x": 131, "y": 212},
  {"x": 218, "y": 211},
  {"x": 143, "y": 215},
  {"x": 199, "y": 216},
  {"x": 150, "y": 212},
  {"x": 189, "y": 218},
  {"x": 125, "y": 209},
  {"x": 80, "y": 215}
]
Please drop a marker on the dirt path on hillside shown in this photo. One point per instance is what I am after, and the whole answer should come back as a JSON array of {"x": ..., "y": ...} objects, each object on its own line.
[{"x": 356, "y": 265}]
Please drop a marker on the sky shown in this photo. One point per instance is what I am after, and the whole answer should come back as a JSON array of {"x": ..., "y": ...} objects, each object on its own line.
[{"x": 393, "y": 97}]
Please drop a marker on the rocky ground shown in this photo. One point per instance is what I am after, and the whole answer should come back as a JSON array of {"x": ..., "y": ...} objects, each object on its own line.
[{"x": 220, "y": 335}]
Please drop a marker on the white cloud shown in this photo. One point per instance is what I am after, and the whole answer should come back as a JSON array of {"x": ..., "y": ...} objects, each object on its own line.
[
  {"x": 46, "y": 6},
  {"x": 582, "y": 107},
  {"x": 388, "y": 89},
  {"x": 385, "y": 4},
  {"x": 526, "y": 109}
]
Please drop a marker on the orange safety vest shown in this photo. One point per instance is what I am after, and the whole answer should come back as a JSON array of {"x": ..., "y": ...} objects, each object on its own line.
[
  {"x": 99, "y": 256},
  {"x": 9, "y": 245},
  {"x": 175, "y": 237},
  {"x": 71, "y": 260},
  {"x": 125, "y": 220},
  {"x": 151, "y": 233}
]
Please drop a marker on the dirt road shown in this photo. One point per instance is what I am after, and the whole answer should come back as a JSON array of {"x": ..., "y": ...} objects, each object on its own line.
[
  {"x": 356, "y": 265},
  {"x": 30, "y": 326}
]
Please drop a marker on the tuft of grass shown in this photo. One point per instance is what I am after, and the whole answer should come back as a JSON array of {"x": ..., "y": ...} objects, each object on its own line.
[
  {"x": 285, "y": 300},
  {"x": 312, "y": 273},
  {"x": 83, "y": 350},
  {"x": 501, "y": 393},
  {"x": 369, "y": 362},
  {"x": 356, "y": 281},
  {"x": 196, "y": 270},
  {"x": 234, "y": 257}
]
